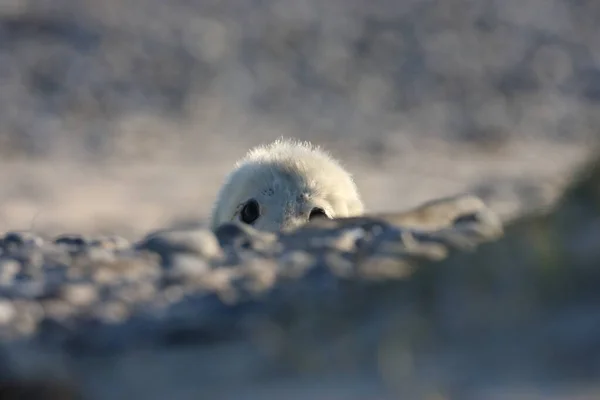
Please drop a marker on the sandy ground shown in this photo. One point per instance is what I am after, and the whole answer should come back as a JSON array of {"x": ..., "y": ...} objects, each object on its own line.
[{"x": 130, "y": 199}]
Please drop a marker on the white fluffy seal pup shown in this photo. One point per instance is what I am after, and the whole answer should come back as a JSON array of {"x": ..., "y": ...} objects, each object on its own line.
[{"x": 282, "y": 185}]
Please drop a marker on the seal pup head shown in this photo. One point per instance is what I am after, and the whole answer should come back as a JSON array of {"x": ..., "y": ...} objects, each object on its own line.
[{"x": 284, "y": 184}]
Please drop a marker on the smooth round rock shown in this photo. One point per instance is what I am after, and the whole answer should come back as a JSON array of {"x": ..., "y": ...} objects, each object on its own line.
[{"x": 199, "y": 242}]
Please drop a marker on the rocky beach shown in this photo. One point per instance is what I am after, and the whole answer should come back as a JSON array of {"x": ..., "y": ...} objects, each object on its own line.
[{"x": 120, "y": 119}]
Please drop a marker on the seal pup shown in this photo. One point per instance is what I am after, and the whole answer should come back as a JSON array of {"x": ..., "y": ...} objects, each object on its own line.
[{"x": 284, "y": 184}]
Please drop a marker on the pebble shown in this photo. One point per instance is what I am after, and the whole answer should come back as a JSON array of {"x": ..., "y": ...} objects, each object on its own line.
[
  {"x": 83, "y": 294},
  {"x": 32, "y": 260},
  {"x": 132, "y": 294},
  {"x": 347, "y": 240},
  {"x": 293, "y": 264},
  {"x": 173, "y": 294},
  {"x": 111, "y": 242},
  {"x": 243, "y": 237},
  {"x": 259, "y": 275},
  {"x": 186, "y": 266},
  {"x": 7, "y": 312},
  {"x": 100, "y": 255},
  {"x": 112, "y": 312},
  {"x": 9, "y": 269},
  {"x": 74, "y": 243},
  {"x": 340, "y": 265},
  {"x": 59, "y": 310},
  {"x": 16, "y": 239},
  {"x": 199, "y": 242},
  {"x": 104, "y": 276}
]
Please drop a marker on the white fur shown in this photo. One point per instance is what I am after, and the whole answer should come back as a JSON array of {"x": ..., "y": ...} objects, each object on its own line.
[{"x": 287, "y": 178}]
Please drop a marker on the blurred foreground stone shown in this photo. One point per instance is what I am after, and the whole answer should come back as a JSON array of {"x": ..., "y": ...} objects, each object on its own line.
[{"x": 438, "y": 303}]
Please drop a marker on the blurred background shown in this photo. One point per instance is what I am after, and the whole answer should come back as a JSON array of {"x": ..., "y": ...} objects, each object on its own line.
[{"x": 122, "y": 116}]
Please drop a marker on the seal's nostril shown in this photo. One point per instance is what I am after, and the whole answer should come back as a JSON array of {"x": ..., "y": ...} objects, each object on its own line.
[{"x": 317, "y": 212}]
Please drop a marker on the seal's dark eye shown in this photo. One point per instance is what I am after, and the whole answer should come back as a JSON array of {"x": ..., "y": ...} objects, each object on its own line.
[
  {"x": 317, "y": 213},
  {"x": 250, "y": 211}
]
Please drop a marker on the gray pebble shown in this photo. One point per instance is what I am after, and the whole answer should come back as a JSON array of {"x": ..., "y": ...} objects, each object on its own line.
[
  {"x": 199, "y": 242},
  {"x": 173, "y": 294},
  {"x": 123, "y": 269},
  {"x": 346, "y": 241},
  {"x": 241, "y": 236},
  {"x": 80, "y": 295},
  {"x": 112, "y": 242},
  {"x": 340, "y": 265},
  {"x": 7, "y": 312},
  {"x": 32, "y": 260},
  {"x": 259, "y": 275},
  {"x": 55, "y": 255},
  {"x": 25, "y": 324},
  {"x": 27, "y": 315},
  {"x": 100, "y": 254},
  {"x": 30, "y": 289},
  {"x": 105, "y": 276},
  {"x": 9, "y": 268},
  {"x": 15, "y": 239},
  {"x": 111, "y": 312},
  {"x": 72, "y": 242},
  {"x": 295, "y": 263},
  {"x": 186, "y": 266},
  {"x": 134, "y": 294},
  {"x": 58, "y": 310}
]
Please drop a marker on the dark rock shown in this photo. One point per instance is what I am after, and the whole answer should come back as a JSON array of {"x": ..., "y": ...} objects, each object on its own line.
[
  {"x": 12, "y": 241},
  {"x": 243, "y": 236},
  {"x": 112, "y": 242},
  {"x": 74, "y": 243},
  {"x": 169, "y": 243}
]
